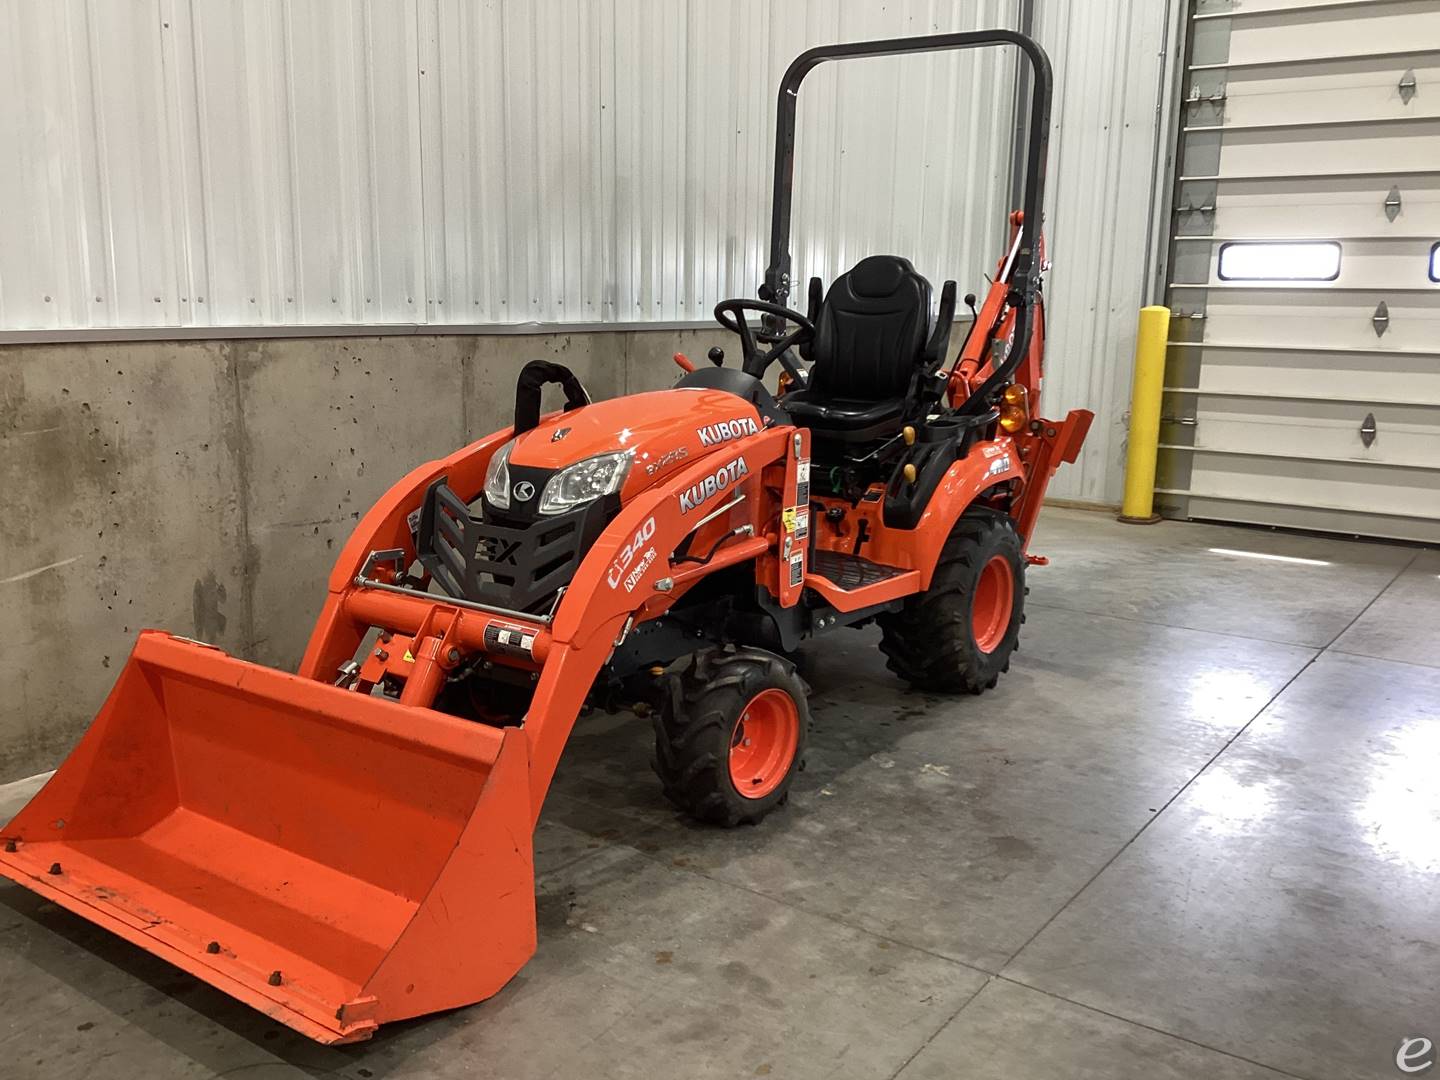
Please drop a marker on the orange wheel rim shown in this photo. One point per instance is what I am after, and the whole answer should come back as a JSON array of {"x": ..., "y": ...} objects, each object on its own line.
[
  {"x": 994, "y": 604},
  {"x": 763, "y": 743}
]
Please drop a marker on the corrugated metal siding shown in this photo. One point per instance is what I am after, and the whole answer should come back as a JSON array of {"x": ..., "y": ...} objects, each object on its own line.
[
  {"x": 208, "y": 164},
  {"x": 1108, "y": 57}
]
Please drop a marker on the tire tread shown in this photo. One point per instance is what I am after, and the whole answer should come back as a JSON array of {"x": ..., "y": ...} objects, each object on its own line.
[
  {"x": 929, "y": 642},
  {"x": 694, "y": 719}
]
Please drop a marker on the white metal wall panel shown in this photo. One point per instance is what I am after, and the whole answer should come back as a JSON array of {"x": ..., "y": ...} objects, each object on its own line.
[
  {"x": 910, "y": 175},
  {"x": 1109, "y": 58},
  {"x": 176, "y": 163},
  {"x": 634, "y": 181},
  {"x": 58, "y": 267},
  {"x": 1310, "y": 404}
]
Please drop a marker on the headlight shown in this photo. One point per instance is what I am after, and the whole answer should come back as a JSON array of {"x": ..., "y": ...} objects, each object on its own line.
[
  {"x": 497, "y": 478},
  {"x": 585, "y": 481}
]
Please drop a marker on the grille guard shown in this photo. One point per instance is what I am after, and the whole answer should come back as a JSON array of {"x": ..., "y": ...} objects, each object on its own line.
[{"x": 520, "y": 566}]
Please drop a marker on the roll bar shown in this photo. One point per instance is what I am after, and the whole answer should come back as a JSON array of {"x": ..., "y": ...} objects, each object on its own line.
[{"x": 1025, "y": 273}]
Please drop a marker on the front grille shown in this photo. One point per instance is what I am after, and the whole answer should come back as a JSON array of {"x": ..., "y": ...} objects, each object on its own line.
[{"x": 515, "y": 564}]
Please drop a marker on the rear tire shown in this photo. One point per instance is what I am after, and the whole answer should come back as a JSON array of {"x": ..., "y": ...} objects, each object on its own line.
[
  {"x": 730, "y": 734},
  {"x": 958, "y": 635}
]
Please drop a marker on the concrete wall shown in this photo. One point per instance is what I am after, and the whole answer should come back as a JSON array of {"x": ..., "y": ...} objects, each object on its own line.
[{"x": 205, "y": 487}]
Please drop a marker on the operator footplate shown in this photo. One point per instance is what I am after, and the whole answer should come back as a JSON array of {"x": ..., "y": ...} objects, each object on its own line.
[{"x": 850, "y": 572}]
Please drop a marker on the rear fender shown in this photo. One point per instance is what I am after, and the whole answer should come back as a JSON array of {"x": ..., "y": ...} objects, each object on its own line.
[{"x": 987, "y": 464}]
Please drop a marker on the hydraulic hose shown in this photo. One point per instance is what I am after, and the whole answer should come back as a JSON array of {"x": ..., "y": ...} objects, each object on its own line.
[{"x": 979, "y": 401}]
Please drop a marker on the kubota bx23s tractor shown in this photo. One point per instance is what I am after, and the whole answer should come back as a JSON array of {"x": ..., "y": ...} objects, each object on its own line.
[{"x": 351, "y": 844}]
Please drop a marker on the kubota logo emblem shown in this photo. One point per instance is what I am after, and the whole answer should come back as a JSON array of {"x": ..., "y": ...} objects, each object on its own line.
[
  {"x": 524, "y": 491},
  {"x": 725, "y": 430},
  {"x": 707, "y": 488}
]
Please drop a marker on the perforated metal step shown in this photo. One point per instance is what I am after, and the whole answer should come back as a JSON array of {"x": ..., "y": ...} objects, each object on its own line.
[{"x": 850, "y": 572}]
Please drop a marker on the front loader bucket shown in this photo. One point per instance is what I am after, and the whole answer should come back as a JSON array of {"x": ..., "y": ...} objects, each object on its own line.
[{"x": 333, "y": 859}]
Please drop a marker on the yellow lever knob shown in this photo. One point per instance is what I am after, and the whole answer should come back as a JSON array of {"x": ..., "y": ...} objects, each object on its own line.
[
  {"x": 909, "y": 435},
  {"x": 910, "y": 473}
]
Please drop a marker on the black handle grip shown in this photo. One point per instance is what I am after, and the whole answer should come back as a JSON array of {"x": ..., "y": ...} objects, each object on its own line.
[{"x": 528, "y": 389}]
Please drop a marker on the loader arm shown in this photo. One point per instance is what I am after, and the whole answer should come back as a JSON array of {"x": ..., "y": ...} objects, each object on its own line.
[
  {"x": 569, "y": 649},
  {"x": 339, "y": 859},
  {"x": 593, "y": 617},
  {"x": 384, "y": 527}
]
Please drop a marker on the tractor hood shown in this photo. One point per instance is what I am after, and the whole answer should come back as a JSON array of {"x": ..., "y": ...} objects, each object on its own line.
[
  {"x": 517, "y": 556},
  {"x": 664, "y": 430}
]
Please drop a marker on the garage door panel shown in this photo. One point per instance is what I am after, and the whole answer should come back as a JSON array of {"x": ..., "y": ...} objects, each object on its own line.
[
  {"x": 1358, "y": 488},
  {"x": 1326, "y": 430},
  {"x": 1367, "y": 376},
  {"x": 1278, "y": 515},
  {"x": 1235, "y": 9},
  {"x": 1339, "y": 92},
  {"x": 1308, "y": 32},
  {"x": 1389, "y": 146},
  {"x": 1297, "y": 317},
  {"x": 1349, "y": 207}
]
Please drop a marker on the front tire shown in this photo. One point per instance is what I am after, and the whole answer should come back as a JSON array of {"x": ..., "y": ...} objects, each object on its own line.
[
  {"x": 957, "y": 636},
  {"x": 730, "y": 735}
]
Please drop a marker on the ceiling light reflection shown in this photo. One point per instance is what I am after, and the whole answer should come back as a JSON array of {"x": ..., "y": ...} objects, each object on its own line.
[
  {"x": 1268, "y": 557},
  {"x": 1400, "y": 815},
  {"x": 1230, "y": 805}
]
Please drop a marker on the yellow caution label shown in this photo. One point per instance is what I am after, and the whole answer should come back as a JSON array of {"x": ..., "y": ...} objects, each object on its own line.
[
  {"x": 409, "y": 657},
  {"x": 788, "y": 517}
]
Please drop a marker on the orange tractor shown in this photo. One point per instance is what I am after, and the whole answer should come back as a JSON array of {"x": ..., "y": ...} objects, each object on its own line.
[{"x": 351, "y": 844}]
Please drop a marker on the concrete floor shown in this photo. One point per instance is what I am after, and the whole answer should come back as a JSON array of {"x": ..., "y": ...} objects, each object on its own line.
[{"x": 1194, "y": 833}]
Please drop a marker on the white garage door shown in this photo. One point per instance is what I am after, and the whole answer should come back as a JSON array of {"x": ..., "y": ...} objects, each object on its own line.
[{"x": 1303, "y": 386}]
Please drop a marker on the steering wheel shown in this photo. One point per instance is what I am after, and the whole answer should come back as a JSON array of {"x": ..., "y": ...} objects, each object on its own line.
[{"x": 731, "y": 315}]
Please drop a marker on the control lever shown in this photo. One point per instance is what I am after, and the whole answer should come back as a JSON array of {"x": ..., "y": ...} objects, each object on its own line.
[
  {"x": 716, "y": 355},
  {"x": 974, "y": 322}
]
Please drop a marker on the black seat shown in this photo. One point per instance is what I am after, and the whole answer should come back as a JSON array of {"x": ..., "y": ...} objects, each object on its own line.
[{"x": 872, "y": 339}]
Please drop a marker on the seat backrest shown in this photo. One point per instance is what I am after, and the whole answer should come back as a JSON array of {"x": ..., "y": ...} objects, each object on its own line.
[{"x": 871, "y": 331}]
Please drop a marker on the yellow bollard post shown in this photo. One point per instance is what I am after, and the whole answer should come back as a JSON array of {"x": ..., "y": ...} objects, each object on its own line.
[{"x": 1145, "y": 395}]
